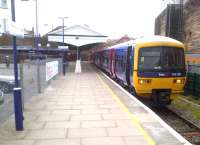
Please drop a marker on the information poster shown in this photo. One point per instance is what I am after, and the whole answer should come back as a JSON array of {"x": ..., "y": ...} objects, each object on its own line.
[{"x": 51, "y": 69}]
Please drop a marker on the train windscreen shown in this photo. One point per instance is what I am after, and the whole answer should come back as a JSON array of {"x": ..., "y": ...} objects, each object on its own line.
[{"x": 161, "y": 59}]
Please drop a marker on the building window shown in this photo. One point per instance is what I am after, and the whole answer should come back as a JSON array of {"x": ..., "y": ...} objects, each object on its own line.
[
  {"x": 3, "y": 26},
  {"x": 3, "y": 3},
  {"x": 190, "y": 34}
]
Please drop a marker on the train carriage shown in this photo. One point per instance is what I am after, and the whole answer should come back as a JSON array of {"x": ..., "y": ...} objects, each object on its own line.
[{"x": 152, "y": 68}]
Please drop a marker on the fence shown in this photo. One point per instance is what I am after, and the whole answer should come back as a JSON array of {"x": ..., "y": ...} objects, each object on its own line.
[
  {"x": 192, "y": 86},
  {"x": 28, "y": 81}
]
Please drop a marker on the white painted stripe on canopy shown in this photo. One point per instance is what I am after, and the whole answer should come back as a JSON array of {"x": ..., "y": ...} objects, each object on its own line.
[{"x": 77, "y": 42}]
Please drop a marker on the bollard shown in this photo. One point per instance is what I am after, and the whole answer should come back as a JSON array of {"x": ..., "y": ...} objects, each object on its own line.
[
  {"x": 64, "y": 69},
  {"x": 18, "y": 109}
]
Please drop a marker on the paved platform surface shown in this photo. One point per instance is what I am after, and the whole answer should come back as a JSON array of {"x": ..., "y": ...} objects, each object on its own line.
[{"x": 85, "y": 109}]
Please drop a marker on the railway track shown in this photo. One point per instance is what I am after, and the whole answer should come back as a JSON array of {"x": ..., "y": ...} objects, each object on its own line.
[{"x": 187, "y": 129}]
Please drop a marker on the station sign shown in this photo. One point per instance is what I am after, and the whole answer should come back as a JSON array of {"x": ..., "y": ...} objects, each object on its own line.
[{"x": 63, "y": 47}]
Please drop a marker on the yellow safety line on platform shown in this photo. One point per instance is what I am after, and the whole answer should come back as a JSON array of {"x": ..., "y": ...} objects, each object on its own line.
[{"x": 133, "y": 119}]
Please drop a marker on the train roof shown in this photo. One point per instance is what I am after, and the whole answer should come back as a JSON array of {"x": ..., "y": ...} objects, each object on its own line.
[
  {"x": 142, "y": 40},
  {"x": 156, "y": 39}
]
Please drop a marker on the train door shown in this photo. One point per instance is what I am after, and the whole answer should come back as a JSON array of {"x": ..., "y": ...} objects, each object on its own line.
[
  {"x": 117, "y": 64},
  {"x": 113, "y": 63},
  {"x": 131, "y": 66},
  {"x": 128, "y": 63},
  {"x": 110, "y": 62}
]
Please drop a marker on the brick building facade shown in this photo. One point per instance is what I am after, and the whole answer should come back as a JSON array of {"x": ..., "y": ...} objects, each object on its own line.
[
  {"x": 183, "y": 25},
  {"x": 192, "y": 25}
]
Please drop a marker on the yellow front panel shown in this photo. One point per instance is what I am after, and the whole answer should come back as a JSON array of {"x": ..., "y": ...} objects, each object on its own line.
[{"x": 158, "y": 83}]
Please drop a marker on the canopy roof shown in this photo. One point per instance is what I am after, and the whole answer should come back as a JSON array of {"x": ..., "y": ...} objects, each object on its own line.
[{"x": 76, "y": 35}]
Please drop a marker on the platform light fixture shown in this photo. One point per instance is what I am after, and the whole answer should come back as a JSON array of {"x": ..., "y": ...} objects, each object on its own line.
[
  {"x": 63, "y": 29},
  {"x": 144, "y": 81}
]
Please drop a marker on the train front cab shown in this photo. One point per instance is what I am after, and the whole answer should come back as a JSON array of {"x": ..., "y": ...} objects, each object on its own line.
[{"x": 154, "y": 81}]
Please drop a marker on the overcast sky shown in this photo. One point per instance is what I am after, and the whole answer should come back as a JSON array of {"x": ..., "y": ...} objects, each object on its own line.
[{"x": 109, "y": 17}]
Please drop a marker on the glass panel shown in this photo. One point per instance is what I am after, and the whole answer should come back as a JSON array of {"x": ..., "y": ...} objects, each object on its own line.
[
  {"x": 150, "y": 58},
  {"x": 3, "y": 3},
  {"x": 161, "y": 59}
]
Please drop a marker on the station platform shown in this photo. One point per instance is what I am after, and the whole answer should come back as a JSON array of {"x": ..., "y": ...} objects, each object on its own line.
[{"x": 87, "y": 108}]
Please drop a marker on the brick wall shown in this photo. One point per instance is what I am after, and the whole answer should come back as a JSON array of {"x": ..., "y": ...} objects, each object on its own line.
[
  {"x": 160, "y": 24},
  {"x": 192, "y": 26},
  {"x": 6, "y": 40},
  {"x": 191, "y": 34}
]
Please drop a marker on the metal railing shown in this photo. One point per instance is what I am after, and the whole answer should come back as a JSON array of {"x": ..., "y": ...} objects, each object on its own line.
[
  {"x": 193, "y": 68},
  {"x": 192, "y": 86},
  {"x": 28, "y": 82}
]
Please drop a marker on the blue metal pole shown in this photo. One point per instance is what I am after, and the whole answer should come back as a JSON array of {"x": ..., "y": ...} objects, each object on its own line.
[
  {"x": 63, "y": 30},
  {"x": 77, "y": 53},
  {"x": 16, "y": 90},
  {"x": 64, "y": 65}
]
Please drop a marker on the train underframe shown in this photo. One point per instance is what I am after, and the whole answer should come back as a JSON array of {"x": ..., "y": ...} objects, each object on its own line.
[
  {"x": 161, "y": 97},
  {"x": 158, "y": 97}
]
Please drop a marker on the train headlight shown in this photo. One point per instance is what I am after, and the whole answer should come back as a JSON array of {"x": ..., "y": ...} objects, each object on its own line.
[
  {"x": 179, "y": 81},
  {"x": 144, "y": 81}
]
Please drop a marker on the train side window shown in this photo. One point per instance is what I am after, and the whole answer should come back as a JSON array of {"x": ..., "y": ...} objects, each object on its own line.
[
  {"x": 123, "y": 64},
  {"x": 121, "y": 61},
  {"x": 117, "y": 60}
]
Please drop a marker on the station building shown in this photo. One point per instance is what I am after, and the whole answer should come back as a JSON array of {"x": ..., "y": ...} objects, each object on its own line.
[
  {"x": 181, "y": 20},
  {"x": 4, "y": 11}
]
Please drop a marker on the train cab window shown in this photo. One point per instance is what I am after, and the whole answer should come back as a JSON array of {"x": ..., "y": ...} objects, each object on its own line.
[
  {"x": 161, "y": 58},
  {"x": 173, "y": 58},
  {"x": 168, "y": 60},
  {"x": 149, "y": 59}
]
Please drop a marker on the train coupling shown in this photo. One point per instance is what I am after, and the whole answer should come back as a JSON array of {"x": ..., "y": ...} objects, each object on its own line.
[{"x": 161, "y": 97}]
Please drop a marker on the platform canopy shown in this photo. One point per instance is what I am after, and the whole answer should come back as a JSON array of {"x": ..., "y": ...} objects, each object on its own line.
[{"x": 76, "y": 35}]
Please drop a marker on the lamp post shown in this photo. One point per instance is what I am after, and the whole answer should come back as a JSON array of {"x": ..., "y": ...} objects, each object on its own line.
[
  {"x": 77, "y": 50},
  {"x": 37, "y": 47},
  {"x": 17, "y": 89},
  {"x": 63, "y": 25},
  {"x": 63, "y": 31}
]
